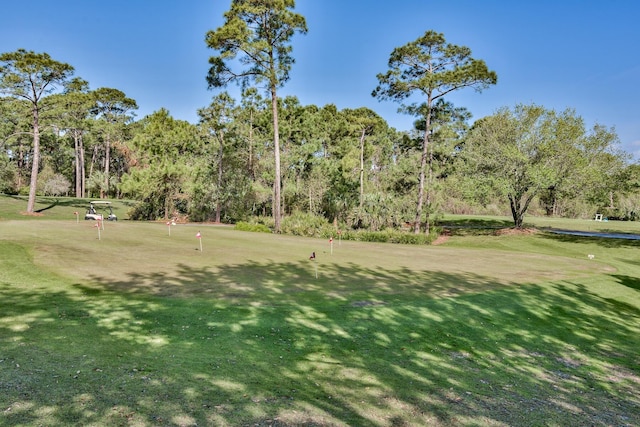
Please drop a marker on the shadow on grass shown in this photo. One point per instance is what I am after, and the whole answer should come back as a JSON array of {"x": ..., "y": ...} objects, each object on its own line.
[
  {"x": 605, "y": 242},
  {"x": 261, "y": 343},
  {"x": 477, "y": 223},
  {"x": 54, "y": 207},
  {"x": 629, "y": 282},
  {"x": 474, "y": 226}
]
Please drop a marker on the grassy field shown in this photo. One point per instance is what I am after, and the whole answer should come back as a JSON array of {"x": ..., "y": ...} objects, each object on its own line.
[{"x": 144, "y": 327}]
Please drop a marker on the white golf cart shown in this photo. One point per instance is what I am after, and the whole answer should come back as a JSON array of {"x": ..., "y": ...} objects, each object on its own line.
[{"x": 103, "y": 206}]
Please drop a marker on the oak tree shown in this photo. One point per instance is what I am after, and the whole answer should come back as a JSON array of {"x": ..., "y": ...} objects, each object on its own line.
[{"x": 526, "y": 152}]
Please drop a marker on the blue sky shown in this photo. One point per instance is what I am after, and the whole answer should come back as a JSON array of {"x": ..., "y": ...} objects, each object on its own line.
[{"x": 579, "y": 54}]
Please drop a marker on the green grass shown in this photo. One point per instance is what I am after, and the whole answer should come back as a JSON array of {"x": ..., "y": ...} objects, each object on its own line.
[
  {"x": 470, "y": 224},
  {"x": 141, "y": 328},
  {"x": 63, "y": 208}
]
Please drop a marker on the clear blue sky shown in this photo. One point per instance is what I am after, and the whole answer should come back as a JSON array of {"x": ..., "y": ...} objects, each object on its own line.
[{"x": 579, "y": 54}]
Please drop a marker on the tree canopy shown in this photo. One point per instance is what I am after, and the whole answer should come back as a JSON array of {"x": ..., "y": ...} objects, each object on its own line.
[
  {"x": 31, "y": 76},
  {"x": 528, "y": 150},
  {"x": 259, "y": 33},
  {"x": 433, "y": 68},
  {"x": 267, "y": 159}
]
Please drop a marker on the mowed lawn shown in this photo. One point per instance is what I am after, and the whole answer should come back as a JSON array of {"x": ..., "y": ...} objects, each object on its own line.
[{"x": 143, "y": 328}]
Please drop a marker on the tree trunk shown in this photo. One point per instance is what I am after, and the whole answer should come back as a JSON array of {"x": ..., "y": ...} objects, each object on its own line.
[
  {"x": 107, "y": 159},
  {"x": 362, "y": 167},
  {"x": 516, "y": 214},
  {"x": 22, "y": 165},
  {"x": 427, "y": 227},
  {"x": 94, "y": 159},
  {"x": 220, "y": 170},
  {"x": 423, "y": 167},
  {"x": 250, "y": 159},
  {"x": 35, "y": 162},
  {"x": 83, "y": 175},
  {"x": 276, "y": 148},
  {"x": 76, "y": 147},
  {"x": 518, "y": 208}
]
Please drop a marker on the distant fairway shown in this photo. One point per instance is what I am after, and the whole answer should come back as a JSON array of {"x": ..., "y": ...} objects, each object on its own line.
[{"x": 143, "y": 328}]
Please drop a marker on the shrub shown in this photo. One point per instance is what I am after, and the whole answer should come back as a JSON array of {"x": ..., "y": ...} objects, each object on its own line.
[
  {"x": 310, "y": 225},
  {"x": 389, "y": 236},
  {"x": 57, "y": 185},
  {"x": 255, "y": 227},
  {"x": 306, "y": 224}
]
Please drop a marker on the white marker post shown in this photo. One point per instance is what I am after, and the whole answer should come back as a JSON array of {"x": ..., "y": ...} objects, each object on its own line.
[
  {"x": 199, "y": 237},
  {"x": 331, "y": 243},
  {"x": 76, "y": 214},
  {"x": 169, "y": 227},
  {"x": 98, "y": 227}
]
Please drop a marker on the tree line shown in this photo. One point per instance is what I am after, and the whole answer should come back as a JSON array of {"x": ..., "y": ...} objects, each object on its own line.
[{"x": 271, "y": 157}]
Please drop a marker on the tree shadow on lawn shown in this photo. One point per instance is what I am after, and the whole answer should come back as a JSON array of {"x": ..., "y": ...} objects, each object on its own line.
[
  {"x": 629, "y": 282},
  {"x": 277, "y": 283},
  {"x": 51, "y": 202},
  {"x": 267, "y": 344},
  {"x": 488, "y": 223},
  {"x": 606, "y": 242}
]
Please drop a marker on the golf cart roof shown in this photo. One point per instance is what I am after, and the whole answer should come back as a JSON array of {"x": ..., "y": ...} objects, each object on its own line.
[{"x": 100, "y": 202}]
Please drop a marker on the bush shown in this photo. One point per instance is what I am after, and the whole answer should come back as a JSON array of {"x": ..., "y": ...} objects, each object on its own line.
[
  {"x": 389, "y": 236},
  {"x": 308, "y": 225},
  {"x": 57, "y": 185},
  {"x": 255, "y": 227},
  {"x": 8, "y": 176}
]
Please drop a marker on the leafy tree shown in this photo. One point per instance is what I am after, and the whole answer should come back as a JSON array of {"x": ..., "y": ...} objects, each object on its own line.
[
  {"x": 512, "y": 150},
  {"x": 252, "y": 107},
  {"x": 526, "y": 151},
  {"x": 164, "y": 150},
  {"x": 434, "y": 68},
  {"x": 588, "y": 169},
  {"x": 629, "y": 202},
  {"x": 15, "y": 137},
  {"x": 300, "y": 145},
  {"x": 114, "y": 110},
  {"x": 217, "y": 122},
  {"x": 259, "y": 32},
  {"x": 362, "y": 122},
  {"x": 32, "y": 76},
  {"x": 72, "y": 117},
  {"x": 449, "y": 125},
  {"x": 55, "y": 184}
]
